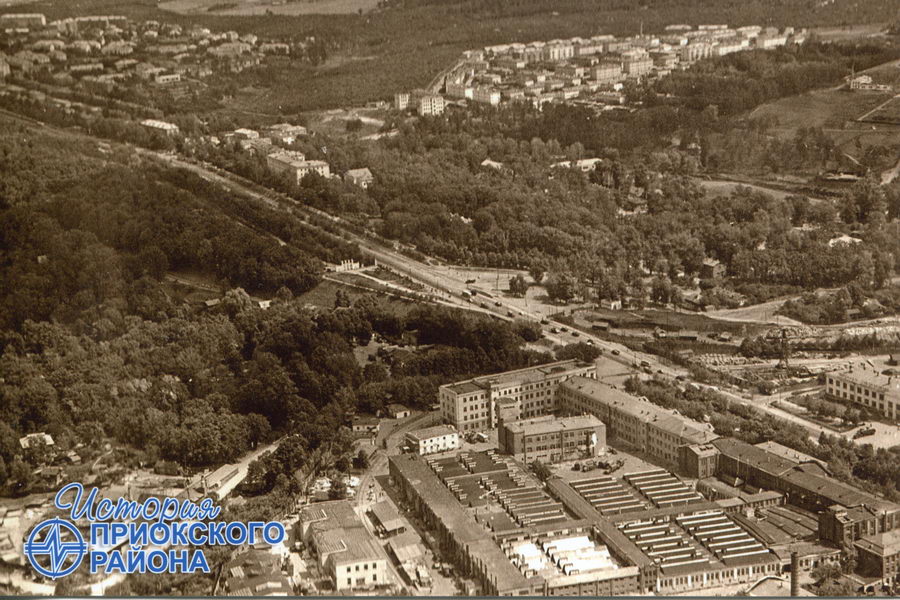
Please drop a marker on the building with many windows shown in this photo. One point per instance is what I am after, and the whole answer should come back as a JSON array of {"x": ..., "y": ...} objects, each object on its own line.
[
  {"x": 295, "y": 165},
  {"x": 475, "y": 404},
  {"x": 863, "y": 384},
  {"x": 344, "y": 547},
  {"x": 430, "y": 440},
  {"x": 636, "y": 421},
  {"x": 550, "y": 439}
]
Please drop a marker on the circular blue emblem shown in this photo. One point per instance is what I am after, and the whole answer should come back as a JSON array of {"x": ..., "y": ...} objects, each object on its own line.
[{"x": 59, "y": 540}]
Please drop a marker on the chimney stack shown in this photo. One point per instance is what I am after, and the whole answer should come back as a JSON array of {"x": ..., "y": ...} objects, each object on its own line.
[{"x": 795, "y": 574}]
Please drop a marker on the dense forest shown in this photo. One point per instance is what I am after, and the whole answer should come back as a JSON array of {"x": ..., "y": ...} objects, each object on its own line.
[{"x": 96, "y": 345}]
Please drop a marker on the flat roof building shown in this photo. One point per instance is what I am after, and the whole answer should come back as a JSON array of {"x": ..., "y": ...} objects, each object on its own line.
[
  {"x": 472, "y": 405},
  {"x": 345, "y": 548},
  {"x": 550, "y": 439},
  {"x": 862, "y": 384},
  {"x": 637, "y": 421},
  {"x": 440, "y": 438}
]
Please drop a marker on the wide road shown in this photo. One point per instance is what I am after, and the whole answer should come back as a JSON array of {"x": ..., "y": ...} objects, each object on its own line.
[{"x": 452, "y": 290}]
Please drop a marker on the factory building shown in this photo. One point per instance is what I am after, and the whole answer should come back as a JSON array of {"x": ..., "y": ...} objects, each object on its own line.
[
  {"x": 473, "y": 405},
  {"x": 550, "y": 439}
]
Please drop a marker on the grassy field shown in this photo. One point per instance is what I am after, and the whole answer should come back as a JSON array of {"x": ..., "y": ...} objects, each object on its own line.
[
  {"x": 829, "y": 109},
  {"x": 887, "y": 114}
]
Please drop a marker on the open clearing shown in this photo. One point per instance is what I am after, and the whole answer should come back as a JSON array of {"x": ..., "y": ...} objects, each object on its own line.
[
  {"x": 249, "y": 8},
  {"x": 828, "y": 109}
]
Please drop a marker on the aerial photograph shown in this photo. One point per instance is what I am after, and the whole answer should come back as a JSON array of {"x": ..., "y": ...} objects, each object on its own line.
[{"x": 435, "y": 298}]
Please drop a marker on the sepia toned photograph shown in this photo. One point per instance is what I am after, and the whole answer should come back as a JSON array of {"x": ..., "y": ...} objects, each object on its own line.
[{"x": 434, "y": 298}]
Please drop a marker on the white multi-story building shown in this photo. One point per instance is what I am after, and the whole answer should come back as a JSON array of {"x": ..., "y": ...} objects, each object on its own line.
[
  {"x": 296, "y": 165},
  {"x": 430, "y": 105},
  {"x": 486, "y": 95},
  {"x": 431, "y": 440},
  {"x": 864, "y": 385},
  {"x": 475, "y": 404}
]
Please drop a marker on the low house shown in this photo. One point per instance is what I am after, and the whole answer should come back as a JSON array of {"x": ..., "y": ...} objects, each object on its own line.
[
  {"x": 255, "y": 573},
  {"x": 397, "y": 411},
  {"x": 365, "y": 425},
  {"x": 34, "y": 439},
  {"x": 361, "y": 177},
  {"x": 711, "y": 269},
  {"x": 430, "y": 440},
  {"x": 386, "y": 519}
]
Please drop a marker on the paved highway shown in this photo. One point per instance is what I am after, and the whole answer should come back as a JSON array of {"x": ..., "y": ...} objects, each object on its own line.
[{"x": 452, "y": 290}]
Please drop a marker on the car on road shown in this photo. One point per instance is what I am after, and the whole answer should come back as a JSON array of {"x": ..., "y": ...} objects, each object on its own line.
[
  {"x": 864, "y": 432},
  {"x": 510, "y": 313},
  {"x": 554, "y": 330},
  {"x": 545, "y": 322},
  {"x": 483, "y": 305},
  {"x": 590, "y": 342},
  {"x": 470, "y": 281},
  {"x": 498, "y": 303},
  {"x": 563, "y": 329},
  {"x": 576, "y": 334},
  {"x": 616, "y": 352}
]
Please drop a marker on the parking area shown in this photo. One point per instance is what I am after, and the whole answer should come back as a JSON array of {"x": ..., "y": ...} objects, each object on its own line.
[{"x": 631, "y": 464}]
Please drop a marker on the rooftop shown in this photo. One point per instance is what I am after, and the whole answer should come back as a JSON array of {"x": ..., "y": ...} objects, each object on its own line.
[
  {"x": 882, "y": 544},
  {"x": 644, "y": 410},
  {"x": 430, "y": 432},
  {"x": 454, "y": 518},
  {"x": 552, "y": 424},
  {"x": 864, "y": 374},
  {"x": 790, "y": 453},
  {"x": 520, "y": 376}
]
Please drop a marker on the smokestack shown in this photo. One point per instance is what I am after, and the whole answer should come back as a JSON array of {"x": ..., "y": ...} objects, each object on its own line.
[{"x": 795, "y": 574}]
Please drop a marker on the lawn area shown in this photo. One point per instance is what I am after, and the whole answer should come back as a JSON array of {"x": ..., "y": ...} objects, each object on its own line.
[{"x": 829, "y": 109}]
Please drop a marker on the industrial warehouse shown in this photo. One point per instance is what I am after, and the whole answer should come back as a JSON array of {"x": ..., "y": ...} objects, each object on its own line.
[{"x": 708, "y": 513}]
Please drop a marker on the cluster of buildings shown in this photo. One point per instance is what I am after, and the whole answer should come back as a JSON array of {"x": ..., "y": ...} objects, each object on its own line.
[
  {"x": 344, "y": 548},
  {"x": 105, "y": 51},
  {"x": 589, "y": 70},
  {"x": 734, "y": 514}
]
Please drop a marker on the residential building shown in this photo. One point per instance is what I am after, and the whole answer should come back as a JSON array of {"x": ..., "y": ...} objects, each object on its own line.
[
  {"x": 430, "y": 440},
  {"x": 401, "y": 101},
  {"x": 167, "y": 78},
  {"x": 345, "y": 549},
  {"x": 637, "y": 66},
  {"x": 864, "y": 82},
  {"x": 486, "y": 95},
  {"x": 862, "y": 384},
  {"x": 637, "y": 421},
  {"x": 398, "y": 411},
  {"x": 459, "y": 90},
  {"x": 365, "y": 425},
  {"x": 16, "y": 20},
  {"x": 711, "y": 269},
  {"x": 472, "y": 405},
  {"x": 607, "y": 73},
  {"x": 163, "y": 126},
  {"x": 551, "y": 439},
  {"x": 295, "y": 165},
  {"x": 361, "y": 177},
  {"x": 284, "y": 133},
  {"x": 430, "y": 105}
]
